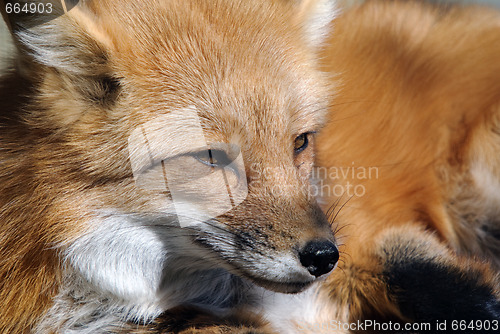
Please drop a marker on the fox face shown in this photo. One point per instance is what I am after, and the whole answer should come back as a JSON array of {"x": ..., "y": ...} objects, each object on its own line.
[{"x": 174, "y": 141}]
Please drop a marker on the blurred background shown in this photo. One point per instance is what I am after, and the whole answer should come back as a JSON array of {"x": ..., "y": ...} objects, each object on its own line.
[
  {"x": 490, "y": 2},
  {"x": 6, "y": 43}
]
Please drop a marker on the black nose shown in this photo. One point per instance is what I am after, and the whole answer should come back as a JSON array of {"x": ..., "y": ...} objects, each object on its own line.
[{"x": 319, "y": 257}]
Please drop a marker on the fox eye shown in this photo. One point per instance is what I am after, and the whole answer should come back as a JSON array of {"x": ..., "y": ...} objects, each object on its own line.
[
  {"x": 301, "y": 143},
  {"x": 213, "y": 158}
]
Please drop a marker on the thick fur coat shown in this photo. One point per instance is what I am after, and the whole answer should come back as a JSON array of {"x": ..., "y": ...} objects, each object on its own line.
[{"x": 105, "y": 107}]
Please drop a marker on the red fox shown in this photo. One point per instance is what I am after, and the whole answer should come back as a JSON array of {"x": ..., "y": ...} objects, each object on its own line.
[
  {"x": 157, "y": 167},
  {"x": 131, "y": 132}
]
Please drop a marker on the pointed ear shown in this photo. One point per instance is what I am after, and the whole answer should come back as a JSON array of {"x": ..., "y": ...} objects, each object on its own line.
[
  {"x": 316, "y": 17},
  {"x": 71, "y": 48},
  {"x": 65, "y": 36}
]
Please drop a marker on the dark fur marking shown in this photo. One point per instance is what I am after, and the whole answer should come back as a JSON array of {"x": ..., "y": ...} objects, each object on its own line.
[
  {"x": 102, "y": 90},
  {"x": 427, "y": 291},
  {"x": 183, "y": 318},
  {"x": 493, "y": 229}
]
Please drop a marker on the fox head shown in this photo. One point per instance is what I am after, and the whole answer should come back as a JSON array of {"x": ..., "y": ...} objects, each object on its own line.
[{"x": 177, "y": 137}]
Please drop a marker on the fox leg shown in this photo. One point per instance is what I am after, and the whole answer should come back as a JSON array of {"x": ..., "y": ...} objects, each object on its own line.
[
  {"x": 188, "y": 320},
  {"x": 211, "y": 329},
  {"x": 410, "y": 276},
  {"x": 226, "y": 330}
]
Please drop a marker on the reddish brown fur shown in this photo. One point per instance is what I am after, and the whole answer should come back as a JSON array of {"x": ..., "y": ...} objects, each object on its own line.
[
  {"x": 416, "y": 85},
  {"x": 63, "y": 147},
  {"x": 419, "y": 92}
]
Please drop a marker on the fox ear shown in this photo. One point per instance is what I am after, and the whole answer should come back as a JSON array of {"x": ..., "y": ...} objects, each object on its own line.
[
  {"x": 316, "y": 17},
  {"x": 68, "y": 36}
]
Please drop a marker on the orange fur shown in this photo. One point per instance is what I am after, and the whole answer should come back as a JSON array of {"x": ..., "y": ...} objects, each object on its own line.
[
  {"x": 81, "y": 84},
  {"x": 417, "y": 92},
  {"x": 418, "y": 85}
]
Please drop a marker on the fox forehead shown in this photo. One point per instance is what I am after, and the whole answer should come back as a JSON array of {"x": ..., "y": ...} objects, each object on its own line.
[{"x": 239, "y": 75}]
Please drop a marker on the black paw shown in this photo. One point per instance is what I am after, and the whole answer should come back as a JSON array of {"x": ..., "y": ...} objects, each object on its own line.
[{"x": 430, "y": 286}]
